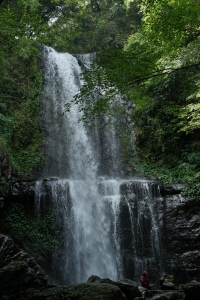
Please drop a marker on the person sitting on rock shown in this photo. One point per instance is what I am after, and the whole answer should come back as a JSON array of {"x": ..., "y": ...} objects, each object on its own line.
[{"x": 145, "y": 281}]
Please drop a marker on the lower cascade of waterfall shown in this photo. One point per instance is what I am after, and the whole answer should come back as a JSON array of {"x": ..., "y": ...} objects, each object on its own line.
[
  {"x": 108, "y": 226},
  {"x": 88, "y": 216}
]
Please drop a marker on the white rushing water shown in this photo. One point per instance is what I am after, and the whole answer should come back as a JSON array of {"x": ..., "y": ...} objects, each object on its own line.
[
  {"x": 90, "y": 244},
  {"x": 80, "y": 180}
]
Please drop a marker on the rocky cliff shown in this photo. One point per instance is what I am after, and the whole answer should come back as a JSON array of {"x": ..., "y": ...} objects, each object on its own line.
[
  {"x": 178, "y": 220},
  {"x": 180, "y": 227},
  {"x": 22, "y": 279}
]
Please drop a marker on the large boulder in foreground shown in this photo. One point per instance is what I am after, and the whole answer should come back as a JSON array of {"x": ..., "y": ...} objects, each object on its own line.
[
  {"x": 129, "y": 288},
  {"x": 191, "y": 290},
  {"x": 82, "y": 291},
  {"x": 165, "y": 295},
  {"x": 18, "y": 270}
]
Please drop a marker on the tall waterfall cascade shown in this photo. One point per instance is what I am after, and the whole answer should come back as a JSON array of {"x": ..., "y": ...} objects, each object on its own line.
[{"x": 83, "y": 180}]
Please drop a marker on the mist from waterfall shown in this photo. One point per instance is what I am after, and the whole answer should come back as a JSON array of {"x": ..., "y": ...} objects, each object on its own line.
[{"x": 82, "y": 178}]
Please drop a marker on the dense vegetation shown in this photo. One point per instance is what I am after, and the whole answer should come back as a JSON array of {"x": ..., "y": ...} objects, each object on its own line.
[
  {"x": 148, "y": 50},
  {"x": 68, "y": 25},
  {"x": 20, "y": 85},
  {"x": 75, "y": 26},
  {"x": 38, "y": 236},
  {"x": 158, "y": 69}
]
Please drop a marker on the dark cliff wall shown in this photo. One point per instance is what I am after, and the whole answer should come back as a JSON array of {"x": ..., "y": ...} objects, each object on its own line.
[
  {"x": 181, "y": 237},
  {"x": 179, "y": 224}
]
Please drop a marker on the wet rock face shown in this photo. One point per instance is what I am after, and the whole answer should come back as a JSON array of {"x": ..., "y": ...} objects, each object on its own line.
[
  {"x": 17, "y": 188},
  {"x": 6, "y": 169},
  {"x": 173, "y": 189},
  {"x": 23, "y": 188},
  {"x": 140, "y": 219},
  {"x": 167, "y": 283},
  {"x": 181, "y": 238},
  {"x": 179, "y": 225},
  {"x": 18, "y": 270},
  {"x": 165, "y": 295}
]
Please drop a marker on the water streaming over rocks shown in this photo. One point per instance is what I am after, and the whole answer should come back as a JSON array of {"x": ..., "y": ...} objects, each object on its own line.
[
  {"x": 81, "y": 179},
  {"x": 144, "y": 205}
]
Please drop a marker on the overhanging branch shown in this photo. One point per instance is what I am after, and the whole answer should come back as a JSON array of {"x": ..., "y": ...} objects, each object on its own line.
[{"x": 162, "y": 72}]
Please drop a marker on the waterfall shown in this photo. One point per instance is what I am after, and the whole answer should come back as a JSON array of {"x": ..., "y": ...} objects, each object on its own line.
[
  {"x": 81, "y": 178},
  {"x": 87, "y": 218}
]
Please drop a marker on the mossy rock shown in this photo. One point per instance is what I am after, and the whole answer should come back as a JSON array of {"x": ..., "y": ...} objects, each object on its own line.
[{"x": 84, "y": 291}]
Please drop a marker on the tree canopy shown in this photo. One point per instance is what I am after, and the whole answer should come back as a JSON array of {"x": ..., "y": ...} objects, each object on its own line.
[
  {"x": 148, "y": 51},
  {"x": 75, "y": 26},
  {"x": 166, "y": 43},
  {"x": 158, "y": 70}
]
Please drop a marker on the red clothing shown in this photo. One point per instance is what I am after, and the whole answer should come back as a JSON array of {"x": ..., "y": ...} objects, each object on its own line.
[{"x": 144, "y": 281}]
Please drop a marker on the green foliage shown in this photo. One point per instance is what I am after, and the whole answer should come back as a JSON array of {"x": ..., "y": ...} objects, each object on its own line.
[
  {"x": 38, "y": 237},
  {"x": 1, "y": 202},
  {"x": 21, "y": 82},
  {"x": 19, "y": 129},
  {"x": 149, "y": 52},
  {"x": 68, "y": 25},
  {"x": 170, "y": 24},
  {"x": 169, "y": 173},
  {"x": 70, "y": 296},
  {"x": 93, "y": 26},
  {"x": 192, "y": 191},
  {"x": 189, "y": 116},
  {"x": 158, "y": 70}
]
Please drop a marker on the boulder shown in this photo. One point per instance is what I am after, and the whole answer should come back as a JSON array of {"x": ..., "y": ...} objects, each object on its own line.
[
  {"x": 164, "y": 295},
  {"x": 167, "y": 282},
  {"x": 174, "y": 295},
  {"x": 129, "y": 288},
  {"x": 94, "y": 279},
  {"x": 83, "y": 291},
  {"x": 22, "y": 188},
  {"x": 191, "y": 290},
  {"x": 18, "y": 270},
  {"x": 173, "y": 189}
]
